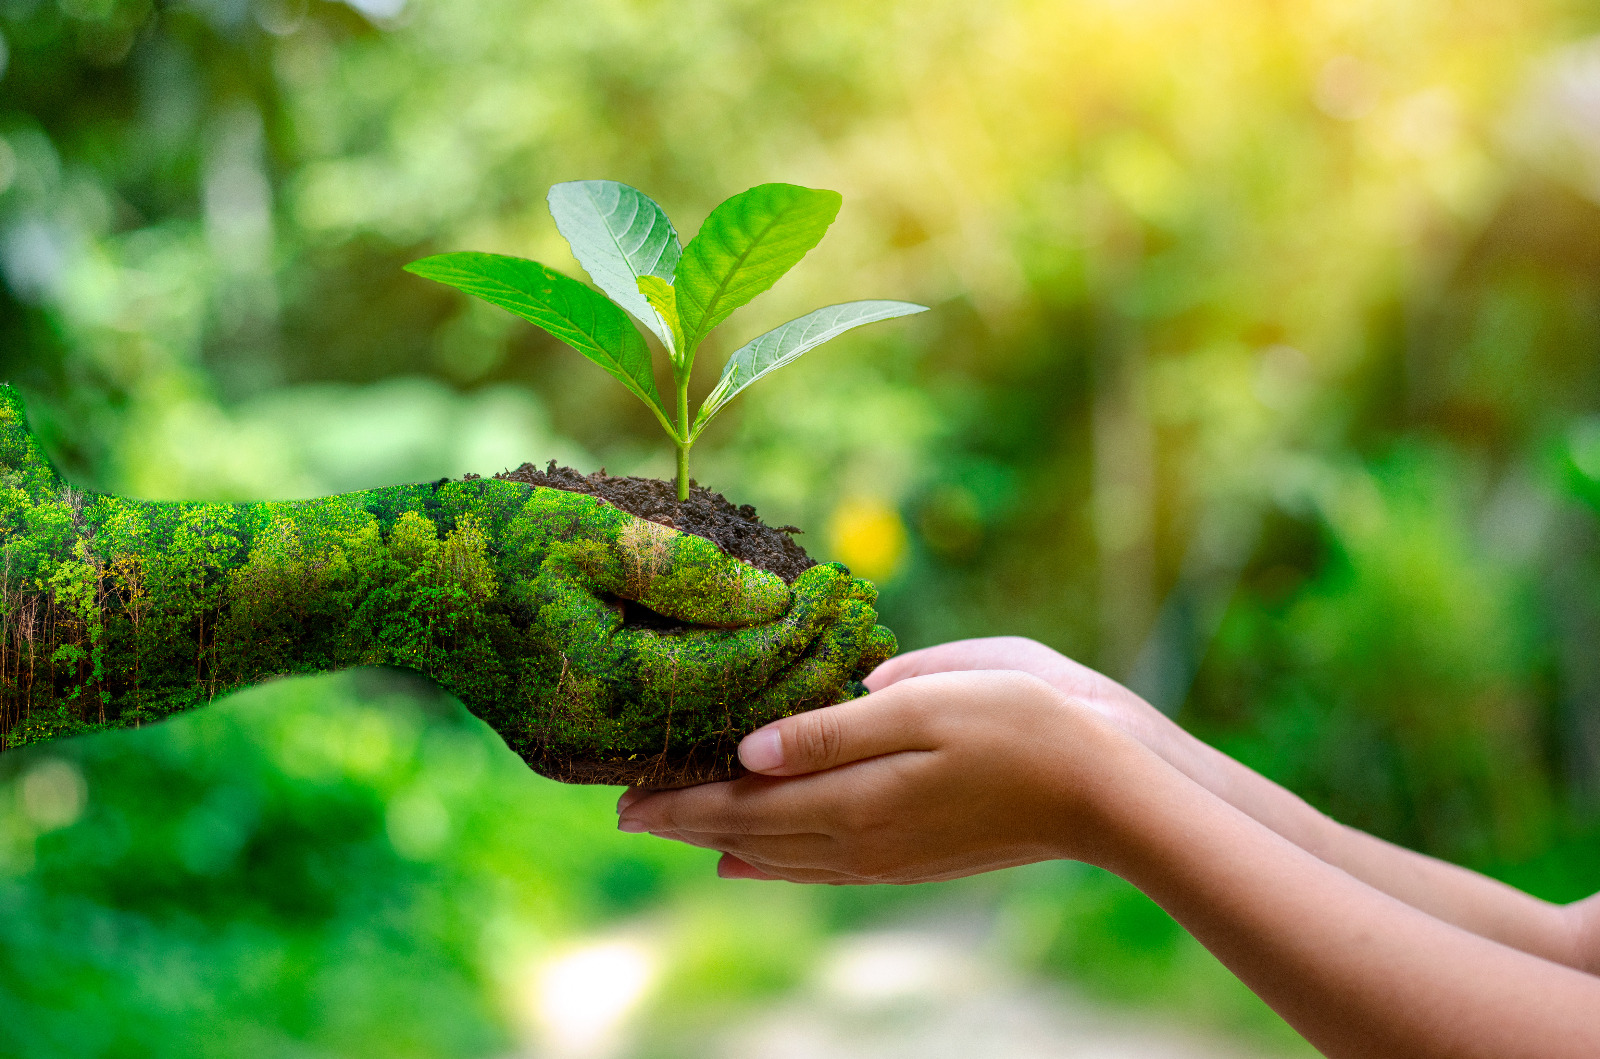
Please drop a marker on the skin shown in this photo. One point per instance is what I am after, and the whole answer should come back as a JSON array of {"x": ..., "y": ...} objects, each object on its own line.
[{"x": 984, "y": 754}]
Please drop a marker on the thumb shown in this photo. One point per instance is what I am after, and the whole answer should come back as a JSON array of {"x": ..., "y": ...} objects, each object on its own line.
[
  {"x": 687, "y": 577},
  {"x": 881, "y": 723}
]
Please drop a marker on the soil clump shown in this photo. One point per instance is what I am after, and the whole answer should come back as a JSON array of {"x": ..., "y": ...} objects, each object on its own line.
[{"x": 737, "y": 530}]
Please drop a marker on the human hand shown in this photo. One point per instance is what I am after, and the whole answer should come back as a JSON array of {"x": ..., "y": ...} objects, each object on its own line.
[
  {"x": 933, "y": 777},
  {"x": 1122, "y": 707},
  {"x": 549, "y": 613},
  {"x": 665, "y": 707}
]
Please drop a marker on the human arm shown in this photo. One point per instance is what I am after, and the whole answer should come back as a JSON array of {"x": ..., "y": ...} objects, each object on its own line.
[
  {"x": 518, "y": 599},
  {"x": 1566, "y": 934},
  {"x": 950, "y": 774},
  {"x": 1585, "y": 918},
  {"x": 1356, "y": 971}
]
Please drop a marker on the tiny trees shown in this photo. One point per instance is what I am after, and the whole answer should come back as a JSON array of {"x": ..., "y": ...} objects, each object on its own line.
[
  {"x": 117, "y": 612},
  {"x": 631, "y": 251}
]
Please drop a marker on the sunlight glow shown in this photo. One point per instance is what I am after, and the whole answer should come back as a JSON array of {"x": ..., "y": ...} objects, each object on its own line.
[
  {"x": 886, "y": 968},
  {"x": 53, "y": 794},
  {"x": 582, "y": 996}
]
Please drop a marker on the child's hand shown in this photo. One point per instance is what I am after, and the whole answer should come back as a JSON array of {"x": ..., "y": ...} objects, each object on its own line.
[
  {"x": 934, "y": 777},
  {"x": 1125, "y": 710}
]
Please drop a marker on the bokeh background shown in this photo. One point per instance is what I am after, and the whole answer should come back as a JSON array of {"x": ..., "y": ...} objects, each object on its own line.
[{"x": 1264, "y": 374}]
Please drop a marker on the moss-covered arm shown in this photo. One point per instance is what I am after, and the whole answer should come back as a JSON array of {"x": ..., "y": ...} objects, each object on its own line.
[{"x": 515, "y": 598}]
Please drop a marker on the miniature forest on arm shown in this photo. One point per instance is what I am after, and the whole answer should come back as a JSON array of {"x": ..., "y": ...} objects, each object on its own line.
[{"x": 603, "y": 647}]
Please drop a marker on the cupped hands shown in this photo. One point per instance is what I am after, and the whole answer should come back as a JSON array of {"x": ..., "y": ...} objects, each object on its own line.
[{"x": 932, "y": 776}]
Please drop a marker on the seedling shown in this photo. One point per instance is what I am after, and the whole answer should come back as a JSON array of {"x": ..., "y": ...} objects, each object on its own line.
[{"x": 631, "y": 251}]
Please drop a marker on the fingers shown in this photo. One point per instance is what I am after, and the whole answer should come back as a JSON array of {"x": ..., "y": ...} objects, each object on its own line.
[
  {"x": 743, "y": 665},
  {"x": 988, "y": 652},
  {"x": 752, "y": 805},
  {"x": 679, "y": 575},
  {"x": 881, "y": 723},
  {"x": 688, "y": 578},
  {"x": 911, "y": 664},
  {"x": 731, "y": 867},
  {"x": 931, "y": 778},
  {"x": 806, "y": 658},
  {"x": 697, "y": 691},
  {"x": 848, "y": 648},
  {"x": 769, "y": 851},
  {"x": 704, "y": 824}
]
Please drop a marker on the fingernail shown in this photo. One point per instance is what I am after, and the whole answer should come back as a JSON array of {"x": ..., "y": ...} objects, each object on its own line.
[
  {"x": 631, "y": 827},
  {"x": 628, "y": 797},
  {"x": 762, "y": 750}
]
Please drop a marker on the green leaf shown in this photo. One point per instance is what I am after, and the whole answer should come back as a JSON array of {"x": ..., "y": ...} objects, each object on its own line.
[
  {"x": 581, "y": 318},
  {"x": 664, "y": 300},
  {"x": 743, "y": 248},
  {"x": 618, "y": 234},
  {"x": 785, "y": 344}
]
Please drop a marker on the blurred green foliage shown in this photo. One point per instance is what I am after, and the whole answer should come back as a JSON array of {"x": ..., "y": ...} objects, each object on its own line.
[
  {"x": 1263, "y": 371},
  {"x": 317, "y": 866}
]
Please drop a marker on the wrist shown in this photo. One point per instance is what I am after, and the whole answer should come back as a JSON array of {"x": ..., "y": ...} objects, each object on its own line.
[
  {"x": 1157, "y": 811},
  {"x": 1270, "y": 805},
  {"x": 1094, "y": 799}
]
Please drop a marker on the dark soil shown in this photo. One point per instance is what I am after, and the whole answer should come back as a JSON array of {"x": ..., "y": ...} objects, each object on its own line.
[
  {"x": 738, "y": 531},
  {"x": 710, "y": 763}
]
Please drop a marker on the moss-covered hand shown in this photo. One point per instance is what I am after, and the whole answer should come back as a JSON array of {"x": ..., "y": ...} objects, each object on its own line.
[{"x": 516, "y": 598}]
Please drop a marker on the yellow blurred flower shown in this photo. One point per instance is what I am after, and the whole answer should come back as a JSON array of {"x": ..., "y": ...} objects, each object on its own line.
[{"x": 868, "y": 536}]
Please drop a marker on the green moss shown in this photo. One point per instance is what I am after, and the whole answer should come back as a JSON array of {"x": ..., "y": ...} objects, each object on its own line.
[{"x": 117, "y": 612}]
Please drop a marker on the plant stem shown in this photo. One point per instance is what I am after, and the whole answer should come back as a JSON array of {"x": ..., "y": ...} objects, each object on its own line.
[{"x": 682, "y": 381}]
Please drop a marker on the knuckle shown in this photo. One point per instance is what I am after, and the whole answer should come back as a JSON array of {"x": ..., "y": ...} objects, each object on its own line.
[
  {"x": 737, "y": 819},
  {"x": 923, "y": 714},
  {"x": 819, "y": 738},
  {"x": 1017, "y": 683},
  {"x": 863, "y": 591},
  {"x": 865, "y": 816},
  {"x": 854, "y": 819}
]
